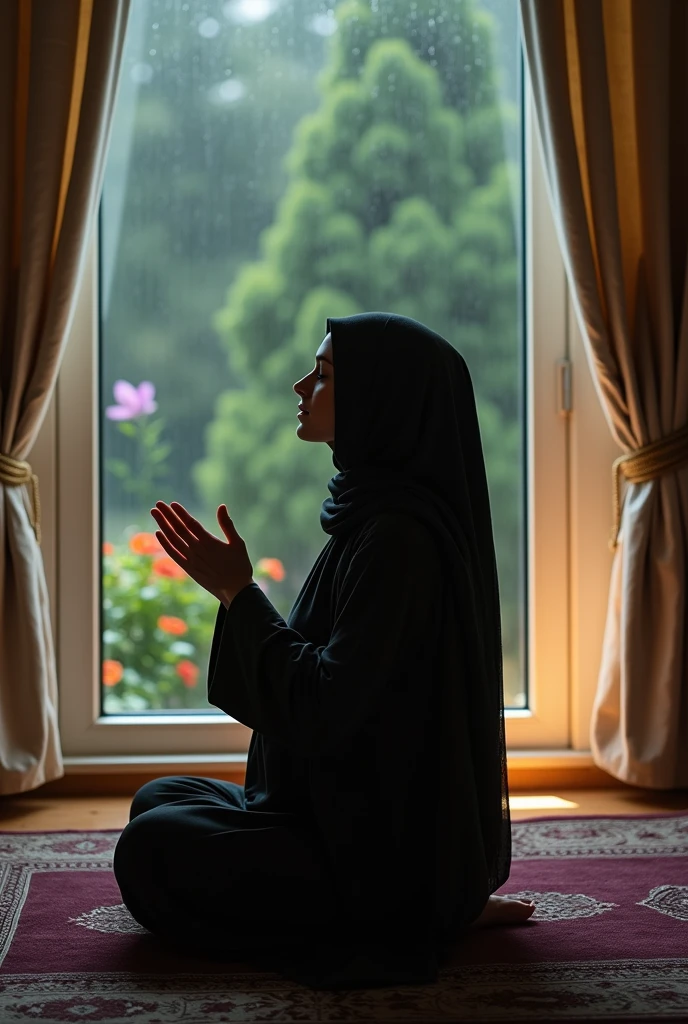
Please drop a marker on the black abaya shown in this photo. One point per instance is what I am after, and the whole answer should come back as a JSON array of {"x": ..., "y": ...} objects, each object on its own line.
[{"x": 377, "y": 708}]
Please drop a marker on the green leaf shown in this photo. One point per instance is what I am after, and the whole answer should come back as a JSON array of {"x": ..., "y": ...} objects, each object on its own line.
[
  {"x": 160, "y": 453},
  {"x": 118, "y": 468}
]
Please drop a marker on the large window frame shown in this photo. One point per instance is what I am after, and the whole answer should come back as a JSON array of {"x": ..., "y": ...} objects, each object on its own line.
[{"x": 569, "y": 455}]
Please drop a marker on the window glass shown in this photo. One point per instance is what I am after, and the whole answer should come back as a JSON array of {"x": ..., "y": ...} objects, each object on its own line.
[{"x": 273, "y": 163}]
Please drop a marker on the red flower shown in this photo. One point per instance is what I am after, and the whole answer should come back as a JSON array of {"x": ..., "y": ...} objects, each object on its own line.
[
  {"x": 188, "y": 672},
  {"x": 166, "y": 566},
  {"x": 145, "y": 544},
  {"x": 273, "y": 567},
  {"x": 112, "y": 672},
  {"x": 171, "y": 624}
]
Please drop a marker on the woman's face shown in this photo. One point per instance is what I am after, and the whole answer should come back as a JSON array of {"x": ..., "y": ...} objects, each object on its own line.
[{"x": 316, "y": 392}]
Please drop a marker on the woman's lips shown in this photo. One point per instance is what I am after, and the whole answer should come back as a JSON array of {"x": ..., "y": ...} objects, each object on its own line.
[{"x": 301, "y": 412}]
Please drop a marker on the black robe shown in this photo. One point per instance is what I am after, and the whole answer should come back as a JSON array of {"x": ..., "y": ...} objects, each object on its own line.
[
  {"x": 339, "y": 698},
  {"x": 378, "y": 709}
]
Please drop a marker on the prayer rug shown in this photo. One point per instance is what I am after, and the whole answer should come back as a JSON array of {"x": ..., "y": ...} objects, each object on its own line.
[{"x": 608, "y": 940}]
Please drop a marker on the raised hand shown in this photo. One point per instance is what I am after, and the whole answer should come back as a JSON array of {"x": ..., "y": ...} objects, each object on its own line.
[{"x": 222, "y": 568}]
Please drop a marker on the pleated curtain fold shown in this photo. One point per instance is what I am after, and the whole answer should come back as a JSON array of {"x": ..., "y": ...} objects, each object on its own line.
[
  {"x": 610, "y": 83},
  {"x": 59, "y": 68}
]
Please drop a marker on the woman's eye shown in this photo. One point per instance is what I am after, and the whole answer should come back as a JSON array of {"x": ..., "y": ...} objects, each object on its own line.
[{"x": 320, "y": 376}]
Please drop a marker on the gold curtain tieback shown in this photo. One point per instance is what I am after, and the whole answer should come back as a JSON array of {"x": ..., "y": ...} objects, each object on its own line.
[
  {"x": 647, "y": 463},
  {"x": 14, "y": 472}
]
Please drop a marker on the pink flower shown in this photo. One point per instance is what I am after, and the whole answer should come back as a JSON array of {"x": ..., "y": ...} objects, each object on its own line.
[{"x": 133, "y": 401}]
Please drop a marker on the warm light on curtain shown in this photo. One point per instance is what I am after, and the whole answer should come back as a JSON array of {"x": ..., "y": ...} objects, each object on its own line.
[
  {"x": 610, "y": 83},
  {"x": 59, "y": 64}
]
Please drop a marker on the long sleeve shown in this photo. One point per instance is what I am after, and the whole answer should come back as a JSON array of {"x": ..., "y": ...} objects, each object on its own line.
[{"x": 312, "y": 699}]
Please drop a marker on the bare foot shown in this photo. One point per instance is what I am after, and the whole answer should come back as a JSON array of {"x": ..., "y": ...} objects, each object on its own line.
[{"x": 504, "y": 910}]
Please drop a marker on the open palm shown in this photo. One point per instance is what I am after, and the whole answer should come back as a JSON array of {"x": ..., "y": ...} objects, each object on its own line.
[{"x": 222, "y": 568}]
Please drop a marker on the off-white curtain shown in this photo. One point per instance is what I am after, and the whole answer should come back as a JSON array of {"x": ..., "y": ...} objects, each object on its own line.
[
  {"x": 59, "y": 66},
  {"x": 610, "y": 80}
]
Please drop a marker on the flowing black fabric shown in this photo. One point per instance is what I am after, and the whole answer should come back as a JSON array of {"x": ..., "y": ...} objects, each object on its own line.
[
  {"x": 407, "y": 438},
  {"x": 374, "y": 820},
  {"x": 376, "y": 775}
]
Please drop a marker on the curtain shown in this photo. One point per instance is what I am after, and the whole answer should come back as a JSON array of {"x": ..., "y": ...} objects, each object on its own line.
[
  {"x": 59, "y": 66},
  {"x": 610, "y": 83}
]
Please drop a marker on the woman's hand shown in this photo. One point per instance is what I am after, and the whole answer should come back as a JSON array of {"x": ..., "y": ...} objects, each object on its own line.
[{"x": 223, "y": 569}]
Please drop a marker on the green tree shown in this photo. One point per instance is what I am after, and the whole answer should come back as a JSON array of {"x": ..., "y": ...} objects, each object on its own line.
[
  {"x": 399, "y": 198},
  {"x": 200, "y": 183}
]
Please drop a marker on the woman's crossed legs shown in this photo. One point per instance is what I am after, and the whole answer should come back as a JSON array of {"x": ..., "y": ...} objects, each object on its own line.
[{"x": 208, "y": 876}]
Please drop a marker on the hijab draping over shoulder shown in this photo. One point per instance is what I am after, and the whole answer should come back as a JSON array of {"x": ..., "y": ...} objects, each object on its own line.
[
  {"x": 407, "y": 438},
  {"x": 377, "y": 708}
]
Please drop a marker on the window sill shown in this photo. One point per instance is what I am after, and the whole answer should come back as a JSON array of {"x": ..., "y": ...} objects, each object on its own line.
[{"x": 123, "y": 775}]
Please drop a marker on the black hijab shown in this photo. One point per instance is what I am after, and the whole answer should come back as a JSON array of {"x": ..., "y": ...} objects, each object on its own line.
[{"x": 407, "y": 438}]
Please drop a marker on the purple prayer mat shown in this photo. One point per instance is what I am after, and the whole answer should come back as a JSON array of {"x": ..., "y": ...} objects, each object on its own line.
[{"x": 608, "y": 940}]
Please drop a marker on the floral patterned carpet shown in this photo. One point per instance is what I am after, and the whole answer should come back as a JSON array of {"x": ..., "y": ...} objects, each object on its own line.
[{"x": 608, "y": 941}]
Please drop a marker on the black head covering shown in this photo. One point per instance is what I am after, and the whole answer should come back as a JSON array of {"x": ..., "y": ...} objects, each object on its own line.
[{"x": 407, "y": 438}]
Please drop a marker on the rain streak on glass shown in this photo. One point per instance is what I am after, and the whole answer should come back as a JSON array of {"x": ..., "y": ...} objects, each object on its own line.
[{"x": 272, "y": 163}]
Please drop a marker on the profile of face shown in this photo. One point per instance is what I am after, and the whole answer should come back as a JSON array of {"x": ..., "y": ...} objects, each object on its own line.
[{"x": 316, "y": 391}]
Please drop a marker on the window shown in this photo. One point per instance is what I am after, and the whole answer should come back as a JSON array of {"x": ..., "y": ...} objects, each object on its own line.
[{"x": 264, "y": 173}]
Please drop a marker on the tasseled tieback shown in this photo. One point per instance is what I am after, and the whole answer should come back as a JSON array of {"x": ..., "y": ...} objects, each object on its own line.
[
  {"x": 645, "y": 464},
  {"x": 14, "y": 472}
]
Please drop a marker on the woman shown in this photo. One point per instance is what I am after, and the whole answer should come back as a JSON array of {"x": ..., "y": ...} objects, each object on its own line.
[{"x": 373, "y": 827}]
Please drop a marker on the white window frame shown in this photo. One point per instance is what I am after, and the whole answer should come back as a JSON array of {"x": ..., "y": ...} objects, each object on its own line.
[{"x": 569, "y": 460}]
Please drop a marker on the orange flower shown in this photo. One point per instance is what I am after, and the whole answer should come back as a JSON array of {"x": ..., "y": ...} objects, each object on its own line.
[
  {"x": 112, "y": 672},
  {"x": 171, "y": 624},
  {"x": 273, "y": 567},
  {"x": 145, "y": 544},
  {"x": 188, "y": 672},
  {"x": 166, "y": 566},
  {"x": 108, "y": 548}
]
